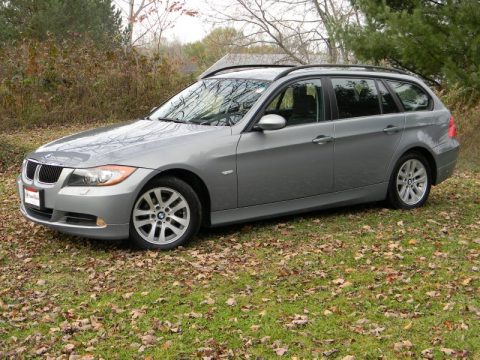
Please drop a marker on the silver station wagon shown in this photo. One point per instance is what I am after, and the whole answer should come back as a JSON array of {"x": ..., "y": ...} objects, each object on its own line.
[{"x": 244, "y": 144}]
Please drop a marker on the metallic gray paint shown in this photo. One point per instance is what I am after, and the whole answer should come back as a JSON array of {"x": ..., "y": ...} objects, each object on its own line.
[
  {"x": 271, "y": 122},
  {"x": 364, "y": 148},
  {"x": 249, "y": 174},
  {"x": 111, "y": 203},
  {"x": 284, "y": 164},
  {"x": 370, "y": 193}
]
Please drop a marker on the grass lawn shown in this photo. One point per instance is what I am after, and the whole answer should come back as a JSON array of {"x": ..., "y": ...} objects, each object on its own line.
[{"x": 361, "y": 282}]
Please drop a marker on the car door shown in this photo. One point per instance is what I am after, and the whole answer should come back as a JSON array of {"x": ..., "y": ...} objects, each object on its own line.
[
  {"x": 293, "y": 162},
  {"x": 368, "y": 129}
]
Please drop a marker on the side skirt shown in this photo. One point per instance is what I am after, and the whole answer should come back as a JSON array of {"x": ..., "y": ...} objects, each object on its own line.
[{"x": 371, "y": 193}]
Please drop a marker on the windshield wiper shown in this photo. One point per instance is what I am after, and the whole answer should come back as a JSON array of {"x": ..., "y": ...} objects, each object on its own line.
[{"x": 172, "y": 120}]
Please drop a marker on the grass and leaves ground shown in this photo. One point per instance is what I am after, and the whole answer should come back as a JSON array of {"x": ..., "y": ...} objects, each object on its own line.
[{"x": 361, "y": 282}]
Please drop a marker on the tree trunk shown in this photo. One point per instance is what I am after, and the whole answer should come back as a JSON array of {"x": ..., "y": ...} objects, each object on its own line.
[{"x": 131, "y": 21}]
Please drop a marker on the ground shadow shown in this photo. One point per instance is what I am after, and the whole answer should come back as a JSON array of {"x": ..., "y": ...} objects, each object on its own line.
[
  {"x": 231, "y": 230},
  {"x": 216, "y": 232}
]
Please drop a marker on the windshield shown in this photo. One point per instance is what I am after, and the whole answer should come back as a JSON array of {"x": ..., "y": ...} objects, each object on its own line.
[{"x": 219, "y": 102}]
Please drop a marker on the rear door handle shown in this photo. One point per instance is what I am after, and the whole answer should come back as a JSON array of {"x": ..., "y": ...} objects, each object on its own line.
[
  {"x": 392, "y": 129},
  {"x": 322, "y": 139}
]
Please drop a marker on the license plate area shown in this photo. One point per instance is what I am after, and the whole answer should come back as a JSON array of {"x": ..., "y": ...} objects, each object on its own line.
[{"x": 33, "y": 197}]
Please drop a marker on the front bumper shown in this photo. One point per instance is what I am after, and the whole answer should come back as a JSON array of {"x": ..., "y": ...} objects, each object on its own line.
[{"x": 75, "y": 210}]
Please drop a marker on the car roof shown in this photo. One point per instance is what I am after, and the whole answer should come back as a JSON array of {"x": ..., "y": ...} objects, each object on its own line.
[{"x": 269, "y": 74}]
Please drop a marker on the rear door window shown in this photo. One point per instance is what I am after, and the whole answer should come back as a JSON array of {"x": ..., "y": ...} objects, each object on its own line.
[
  {"x": 412, "y": 96},
  {"x": 356, "y": 97}
]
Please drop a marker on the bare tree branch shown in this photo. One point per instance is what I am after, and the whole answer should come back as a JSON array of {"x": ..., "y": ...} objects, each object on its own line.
[{"x": 299, "y": 28}]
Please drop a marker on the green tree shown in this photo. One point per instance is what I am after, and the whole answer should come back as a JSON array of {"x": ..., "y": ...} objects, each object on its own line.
[
  {"x": 220, "y": 42},
  {"x": 217, "y": 43},
  {"x": 60, "y": 18},
  {"x": 437, "y": 39}
]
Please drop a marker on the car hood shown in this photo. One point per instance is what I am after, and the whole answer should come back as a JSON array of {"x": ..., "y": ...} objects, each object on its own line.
[{"x": 116, "y": 144}]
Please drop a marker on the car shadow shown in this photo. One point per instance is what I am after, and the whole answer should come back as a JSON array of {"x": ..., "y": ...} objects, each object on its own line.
[
  {"x": 226, "y": 231},
  {"x": 245, "y": 227}
]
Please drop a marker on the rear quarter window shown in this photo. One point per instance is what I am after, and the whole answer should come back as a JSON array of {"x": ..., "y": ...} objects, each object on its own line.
[{"x": 412, "y": 97}]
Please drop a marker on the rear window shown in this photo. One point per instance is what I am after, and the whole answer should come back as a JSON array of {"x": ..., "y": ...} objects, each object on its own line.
[
  {"x": 412, "y": 96},
  {"x": 356, "y": 97}
]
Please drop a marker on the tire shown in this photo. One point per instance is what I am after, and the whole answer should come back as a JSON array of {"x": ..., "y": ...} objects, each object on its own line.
[
  {"x": 165, "y": 224},
  {"x": 410, "y": 182}
]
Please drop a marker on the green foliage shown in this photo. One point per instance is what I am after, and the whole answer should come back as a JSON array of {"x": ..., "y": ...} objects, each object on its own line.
[
  {"x": 218, "y": 43},
  {"x": 45, "y": 82},
  {"x": 61, "y": 19},
  {"x": 212, "y": 47},
  {"x": 466, "y": 111},
  {"x": 436, "y": 39}
]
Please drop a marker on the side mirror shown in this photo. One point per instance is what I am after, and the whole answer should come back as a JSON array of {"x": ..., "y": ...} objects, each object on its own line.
[{"x": 271, "y": 122}]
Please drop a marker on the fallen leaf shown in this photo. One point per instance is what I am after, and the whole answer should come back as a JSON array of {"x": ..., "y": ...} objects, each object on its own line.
[
  {"x": 254, "y": 327},
  {"x": 231, "y": 302},
  {"x": 148, "y": 339},
  {"x": 68, "y": 348},
  {"x": 448, "y": 306},
  {"x": 406, "y": 344},
  {"x": 448, "y": 351},
  {"x": 427, "y": 353},
  {"x": 338, "y": 281},
  {"x": 41, "y": 350},
  {"x": 281, "y": 351},
  {"x": 330, "y": 352},
  {"x": 127, "y": 295}
]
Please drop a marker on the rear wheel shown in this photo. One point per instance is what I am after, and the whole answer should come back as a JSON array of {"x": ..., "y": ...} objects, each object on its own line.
[
  {"x": 166, "y": 214},
  {"x": 410, "y": 182}
]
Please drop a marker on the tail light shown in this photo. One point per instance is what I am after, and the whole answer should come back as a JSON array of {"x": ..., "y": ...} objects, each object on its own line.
[{"x": 452, "y": 128}]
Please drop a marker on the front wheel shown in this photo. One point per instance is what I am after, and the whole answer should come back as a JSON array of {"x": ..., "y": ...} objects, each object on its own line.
[
  {"x": 166, "y": 214},
  {"x": 410, "y": 182}
]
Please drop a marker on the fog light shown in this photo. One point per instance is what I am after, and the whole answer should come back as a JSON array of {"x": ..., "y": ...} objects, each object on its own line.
[{"x": 101, "y": 222}]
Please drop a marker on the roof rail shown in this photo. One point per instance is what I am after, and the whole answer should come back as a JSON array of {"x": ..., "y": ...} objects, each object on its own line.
[
  {"x": 214, "y": 72},
  {"x": 353, "y": 66}
]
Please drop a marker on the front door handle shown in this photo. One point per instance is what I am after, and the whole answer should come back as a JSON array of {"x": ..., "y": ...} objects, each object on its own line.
[
  {"x": 392, "y": 129},
  {"x": 322, "y": 139}
]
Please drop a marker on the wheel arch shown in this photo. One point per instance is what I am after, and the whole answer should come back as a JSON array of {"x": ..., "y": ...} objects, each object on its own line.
[
  {"x": 428, "y": 155},
  {"x": 197, "y": 184}
]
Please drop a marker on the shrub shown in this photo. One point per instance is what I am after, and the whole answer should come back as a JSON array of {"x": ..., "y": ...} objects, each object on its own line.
[
  {"x": 45, "y": 82},
  {"x": 466, "y": 111}
]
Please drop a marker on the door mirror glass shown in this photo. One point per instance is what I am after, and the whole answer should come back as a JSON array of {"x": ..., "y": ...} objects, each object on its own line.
[{"x": 271, "y": 122}]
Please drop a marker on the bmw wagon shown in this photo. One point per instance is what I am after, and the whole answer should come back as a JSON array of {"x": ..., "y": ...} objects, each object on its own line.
[{"x": 242, "y": 144}]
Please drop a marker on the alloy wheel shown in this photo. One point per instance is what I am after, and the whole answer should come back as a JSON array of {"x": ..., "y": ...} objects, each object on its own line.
[
  {"x": 412, "y": 182},
  {"x": 161, "y": 215}
]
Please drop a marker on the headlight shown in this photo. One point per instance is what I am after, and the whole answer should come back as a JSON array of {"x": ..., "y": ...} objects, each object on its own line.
[{"x": 100, "y": 176}]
